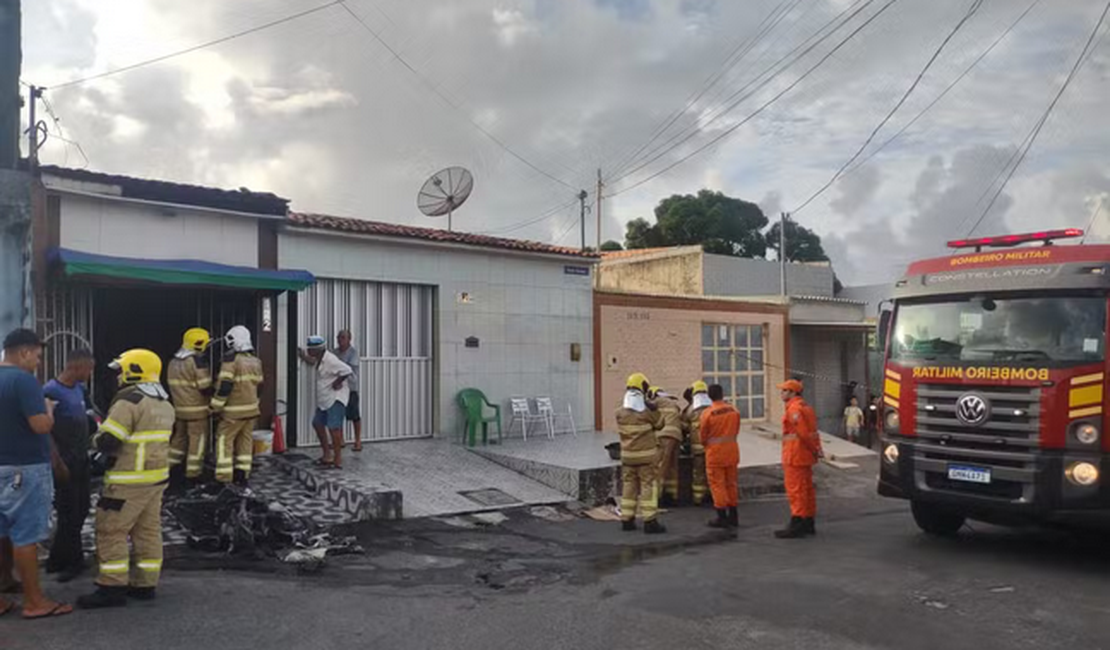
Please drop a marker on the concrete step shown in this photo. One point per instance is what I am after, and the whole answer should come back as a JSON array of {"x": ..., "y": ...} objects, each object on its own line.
[{"x": 362, "y": 502}]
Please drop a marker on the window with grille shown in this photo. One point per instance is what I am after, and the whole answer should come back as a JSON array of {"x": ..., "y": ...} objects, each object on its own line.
[{"x": 732, "y": 356}]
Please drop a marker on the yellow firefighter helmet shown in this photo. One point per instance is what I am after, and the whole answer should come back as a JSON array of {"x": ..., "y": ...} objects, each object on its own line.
[
  {"x": 636, "y": 381},
  {"x": 196, "y": 339},
  {"x": 699, "y": 387},
  {"x": 137, "y": 366}
]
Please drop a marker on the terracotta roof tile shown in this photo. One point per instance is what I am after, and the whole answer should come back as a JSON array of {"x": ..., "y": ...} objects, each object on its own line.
[{"x": 360, "y": 226}]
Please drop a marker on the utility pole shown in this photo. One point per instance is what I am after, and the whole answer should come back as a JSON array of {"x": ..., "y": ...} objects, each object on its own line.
[
  {"x": 599, "y": 186},
  {"x": 782, "y": 252},
  {"x": 11, "y": 60},
  {"x": 33, "y": 129},
  {"x": 582, "y": 215}
]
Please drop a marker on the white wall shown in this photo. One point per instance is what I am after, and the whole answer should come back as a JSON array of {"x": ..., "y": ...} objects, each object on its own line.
[
  {"x": 108, "y": 227},
  {"x": 525, "y": 310},
  {"x": 736, "y": 276}
]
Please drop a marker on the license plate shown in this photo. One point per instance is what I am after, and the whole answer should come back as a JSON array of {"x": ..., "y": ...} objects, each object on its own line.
[{"x": 969, "y": 474}]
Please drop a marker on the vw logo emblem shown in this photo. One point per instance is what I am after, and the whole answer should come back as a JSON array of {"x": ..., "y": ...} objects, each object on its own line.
[{"x": 972, "y": 409}]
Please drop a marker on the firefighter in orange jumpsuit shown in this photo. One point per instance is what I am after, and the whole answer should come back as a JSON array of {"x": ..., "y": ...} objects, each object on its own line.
[
  {"x": 718, "y": 427},
  {"x": 801, "y": 448}
]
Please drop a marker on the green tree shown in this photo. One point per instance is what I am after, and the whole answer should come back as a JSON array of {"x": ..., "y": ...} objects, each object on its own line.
[
  {"x": 720, "y": 224},
  {"x": 611, "y": 245},
  {"x": 638, "y": 233},
  {"x": 802, "y": 244}
]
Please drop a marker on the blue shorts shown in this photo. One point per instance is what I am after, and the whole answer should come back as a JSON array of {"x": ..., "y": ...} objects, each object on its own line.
[
  {"x": 332, "y": 418},
  {"x": 26, "y": 498}
]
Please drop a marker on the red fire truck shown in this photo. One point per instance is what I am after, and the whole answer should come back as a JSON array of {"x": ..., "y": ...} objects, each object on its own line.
[{"x": 995, "y": 376}]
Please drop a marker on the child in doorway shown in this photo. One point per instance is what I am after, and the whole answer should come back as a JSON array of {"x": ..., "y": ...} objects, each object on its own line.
[{"x": 853, "y": 420}]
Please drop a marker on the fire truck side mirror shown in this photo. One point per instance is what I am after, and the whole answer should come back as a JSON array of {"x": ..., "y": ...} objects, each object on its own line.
[{"x": 884, "y": 328}]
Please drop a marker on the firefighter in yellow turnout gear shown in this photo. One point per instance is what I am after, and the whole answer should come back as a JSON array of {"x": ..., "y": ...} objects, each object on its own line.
[
  {"x": 135, "y": 437},
  {"x": 189, "y": 377},
  {"x": 699, "y": 401},
  {"x": 637, "y": 422},
  {"x": 670, "y": 438},
  {"x": 236, "y": 400}
]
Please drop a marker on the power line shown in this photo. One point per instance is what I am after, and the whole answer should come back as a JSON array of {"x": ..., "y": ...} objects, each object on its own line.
[
  {"x": 547, "y": 214},
  {"x": 874, "y": 152},
  {"x": 201, "y": 46},
  {"x": 1032, "y": 137},
  {"x": 450, "y": 102},
  {"x": 1091, "y": 223},
  {"x": 738, "y": 97},
  {"x": 732, "y": 129},
  {"x": 747, "y": 45},
  {"x": 973, "y": 8}
]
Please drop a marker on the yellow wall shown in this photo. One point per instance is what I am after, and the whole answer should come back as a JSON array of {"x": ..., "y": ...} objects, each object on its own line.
[{"x": 680, "y": 275}]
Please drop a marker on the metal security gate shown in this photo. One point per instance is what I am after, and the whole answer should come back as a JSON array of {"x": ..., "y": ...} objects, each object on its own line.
[{"x": 391, "y": 327}]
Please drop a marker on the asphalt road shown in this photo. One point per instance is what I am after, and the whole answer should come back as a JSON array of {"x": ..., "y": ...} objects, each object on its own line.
[{"x": 869, "y": 580}]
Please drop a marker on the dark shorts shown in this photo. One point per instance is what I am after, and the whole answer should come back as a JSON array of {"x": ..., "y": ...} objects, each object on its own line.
[
  {"x": 26, "y": 499},
  {"x": 352, "y": 407}
]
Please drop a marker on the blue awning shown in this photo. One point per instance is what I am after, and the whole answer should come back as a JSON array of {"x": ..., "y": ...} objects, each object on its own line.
[{"x": 77, "y": 264}]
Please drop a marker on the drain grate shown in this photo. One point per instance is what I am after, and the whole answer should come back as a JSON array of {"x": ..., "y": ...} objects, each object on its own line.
[{"x": 490, "y": 497}]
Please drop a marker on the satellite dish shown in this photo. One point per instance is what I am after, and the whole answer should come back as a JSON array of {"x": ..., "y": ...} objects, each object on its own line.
[{"x": 445, "y": 191}]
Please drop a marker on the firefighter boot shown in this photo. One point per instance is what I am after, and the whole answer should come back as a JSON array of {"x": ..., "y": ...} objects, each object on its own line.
[
  {"x": 721, "y": 521},
  {"x": 793, "y": 530},
  {"x": 141, "y": 593},
  {"x": 240, "y": 478},
  {"x": 653, "y": 527},
  {"x": 628, "y": 525},
  {"x": 733, "y": 517},
  {"x": 810, "y": 527},
  {"x": 104, "y": 597}
]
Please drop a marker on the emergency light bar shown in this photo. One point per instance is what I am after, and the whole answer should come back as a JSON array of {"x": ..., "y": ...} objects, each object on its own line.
[{"x": 1004, "y": 241}]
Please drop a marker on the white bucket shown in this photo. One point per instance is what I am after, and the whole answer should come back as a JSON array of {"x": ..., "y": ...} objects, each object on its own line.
[{"x": 263, "y": 443}]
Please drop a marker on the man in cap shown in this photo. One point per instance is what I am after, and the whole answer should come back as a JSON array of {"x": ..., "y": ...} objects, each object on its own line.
[
  {"x": 332, "y": 394},
  {"x": 801, "y": 448}
]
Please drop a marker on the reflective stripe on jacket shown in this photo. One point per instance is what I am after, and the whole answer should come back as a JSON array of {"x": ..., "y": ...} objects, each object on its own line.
[
  {"x": 693, "y": 427},
  {"x": 236, "y": 395},
  {"x": 187, "y": 382},
  {"x": 637, "y": 429},
  {"x": 143, "y": 425}
]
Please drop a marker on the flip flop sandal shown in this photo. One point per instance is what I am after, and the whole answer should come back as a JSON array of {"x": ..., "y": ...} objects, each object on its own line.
[
  {"x": 323, "y": 463},
  {"x": 59, "y": 609}
]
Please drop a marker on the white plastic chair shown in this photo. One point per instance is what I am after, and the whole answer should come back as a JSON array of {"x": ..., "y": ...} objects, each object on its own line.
[
  {"x": 522, "y": 413},
  {"x": 546, "y": 408}
]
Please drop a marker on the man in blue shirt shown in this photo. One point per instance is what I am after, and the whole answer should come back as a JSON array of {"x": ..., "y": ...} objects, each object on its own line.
[
  {"x": 71, "y": 438},
  {"x": 26, "y": 481}
]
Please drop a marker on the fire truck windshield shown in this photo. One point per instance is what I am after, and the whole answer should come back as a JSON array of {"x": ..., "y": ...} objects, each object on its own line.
[{"x": 1011, "y": 330}]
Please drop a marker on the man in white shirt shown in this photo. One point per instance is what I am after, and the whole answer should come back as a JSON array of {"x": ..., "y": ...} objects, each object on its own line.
[{"x": 332, "y": 395}]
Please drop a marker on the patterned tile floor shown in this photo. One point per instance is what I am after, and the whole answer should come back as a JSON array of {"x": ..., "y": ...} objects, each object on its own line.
[
  {"x": 269, "y": 482},
  {"x": 431, "y": 474}
]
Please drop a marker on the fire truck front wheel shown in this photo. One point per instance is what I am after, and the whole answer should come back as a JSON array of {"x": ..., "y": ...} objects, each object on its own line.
[{"x": 936, "y": 520}]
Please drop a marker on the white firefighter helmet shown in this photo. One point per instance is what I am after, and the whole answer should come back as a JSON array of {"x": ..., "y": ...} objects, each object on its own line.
[{"x": 238, "y": 338}]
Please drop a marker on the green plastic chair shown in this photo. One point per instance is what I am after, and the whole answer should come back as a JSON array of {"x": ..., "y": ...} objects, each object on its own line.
[{"x": 473, "y": 403}]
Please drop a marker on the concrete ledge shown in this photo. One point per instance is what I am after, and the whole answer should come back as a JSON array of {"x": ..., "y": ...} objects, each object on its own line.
[{"x": 360, "y": 501}]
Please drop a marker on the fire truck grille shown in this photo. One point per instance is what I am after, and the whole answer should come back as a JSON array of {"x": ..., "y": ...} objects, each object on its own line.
[
  {"x": 1014, "y": 420},
  {"x": 1006, "y": 443}
]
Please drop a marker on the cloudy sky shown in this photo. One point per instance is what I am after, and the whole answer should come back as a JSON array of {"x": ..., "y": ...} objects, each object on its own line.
[{"x": 320, "y": 110}]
